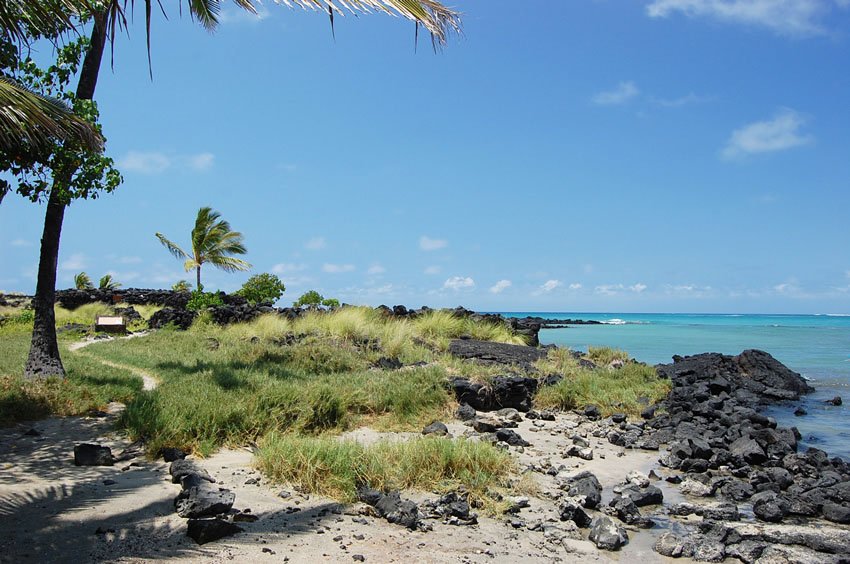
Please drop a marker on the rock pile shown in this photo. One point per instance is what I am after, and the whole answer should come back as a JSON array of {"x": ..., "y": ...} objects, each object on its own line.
[
  {"x": 504, "y": 392},
  {"x": 205, "y": 506},
  {"x": 728, "y": 450}
]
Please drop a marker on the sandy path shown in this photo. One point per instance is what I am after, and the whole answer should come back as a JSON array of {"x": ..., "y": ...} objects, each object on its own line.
[
  {"x": 149, "y": 382},
  {"x": 54, "y": 511}
]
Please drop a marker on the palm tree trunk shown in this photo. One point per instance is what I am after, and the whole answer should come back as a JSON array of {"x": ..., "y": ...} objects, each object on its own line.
[
  {"x": 198, "y": 274},
  {"x": 44, "y": 359}
]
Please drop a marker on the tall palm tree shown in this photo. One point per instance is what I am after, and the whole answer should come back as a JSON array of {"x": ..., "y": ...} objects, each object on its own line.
[
  {"x": 109, "y": 17},
  {"x": 212, "y": 242}
]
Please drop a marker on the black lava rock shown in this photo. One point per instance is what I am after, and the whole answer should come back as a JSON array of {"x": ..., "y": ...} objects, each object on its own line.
[{"x": 92, "y": 455}]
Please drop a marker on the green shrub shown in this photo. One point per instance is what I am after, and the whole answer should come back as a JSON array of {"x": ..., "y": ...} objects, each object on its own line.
[
  {"x": 25, "y": 317},
  {"x": 201, "y": 300},
  {"x": 330, "y": 302},
  {"x": 311, "y": 297},
  {"x": 182, "y": 286},
  {"x": 261, "y": 288}
]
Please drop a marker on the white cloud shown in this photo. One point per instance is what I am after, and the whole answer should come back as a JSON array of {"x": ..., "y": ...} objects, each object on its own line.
[
  {"x": 129, "y": 260},
  {"x": 786, "y": 17},
  {"x": 500, "y": 286},
  {"x": 685, "y": 100},
  {"x": 624, "y": 92},
  {"x": 428, "y": 244},
  {"x": 288, "y": 267},
  {"x": 614, "y": 289},
  {"x": 316, "y": 244},
  {"x": 385, "y": 289},
  {"x": 786, "y": 288},
  {"x": 124, "y": 277},
  {"x": 145, "y": 163},
  {"x": 20, "y": 243},
  {"x": 550, "y": 285},
  {"x": 433, "y": 270},
  {"x": 376, "y": 269},
  {"x": 155, "y": 162},
  {"x": 337, "y": 268},
  {"x": 459, "y": 283},
  {"x": 777, "y": 134},
  {"x": 76, "y": 261},
  {"x": 201, "y": 162},
  {"x": 575, "y": 286},
  {"x": 298, "y": 281}
]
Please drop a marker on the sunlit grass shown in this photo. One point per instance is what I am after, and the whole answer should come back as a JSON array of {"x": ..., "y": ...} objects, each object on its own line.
[
  {"x": 627, "y": 389},
  {"x": 603, "y": 356},
  {"x": 88, "y": 386},
  {"x": 336, "y": 468}
]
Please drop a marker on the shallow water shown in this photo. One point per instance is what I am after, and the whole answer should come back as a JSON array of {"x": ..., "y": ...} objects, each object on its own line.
[{"x": 816, "y": 346}]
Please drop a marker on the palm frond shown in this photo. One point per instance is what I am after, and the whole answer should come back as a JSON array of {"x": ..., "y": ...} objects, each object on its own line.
[
  {"x": 108, "y": 283},
  {"x": 431, "y": 14},
  {"x": 82, "y": 281},
  {"x": 172, "y": 247},
  {"x": 28, "y": 118},
  {"x": 229, "y": 264},
  {"x": 190, "y": 264},
  {"x": 20, "y": 19}
]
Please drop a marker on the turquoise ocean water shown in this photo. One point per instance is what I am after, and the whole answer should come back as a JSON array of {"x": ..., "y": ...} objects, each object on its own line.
[{"x": 816, "y": 346}]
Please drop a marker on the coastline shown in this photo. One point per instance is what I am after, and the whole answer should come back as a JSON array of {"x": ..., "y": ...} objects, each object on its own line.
[{"x": 702, "y": 475}]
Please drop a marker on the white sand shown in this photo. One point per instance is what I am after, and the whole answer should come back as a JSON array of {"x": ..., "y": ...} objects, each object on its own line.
[{"x": 50, "y": 509}]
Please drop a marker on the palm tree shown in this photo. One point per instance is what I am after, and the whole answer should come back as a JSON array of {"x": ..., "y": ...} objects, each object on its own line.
[
  {"x": 82, "y": 281},
  {"x": 109, "y": 17},
  {"x": 108, "y": 283},
  {"x": 212, "y": 242},
  {"x": 26, "y": 117}
]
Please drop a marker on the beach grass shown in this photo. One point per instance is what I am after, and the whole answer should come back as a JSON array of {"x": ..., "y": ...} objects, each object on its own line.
[
  {"x": 626, "y": 390},
  {"x": 335, "y": 468},
  {"x": 89, "y": 384},
  {"x": 311, "y": 376},
  {"x": 603, "y": 356},
  {"x": 218, "y": 389}
]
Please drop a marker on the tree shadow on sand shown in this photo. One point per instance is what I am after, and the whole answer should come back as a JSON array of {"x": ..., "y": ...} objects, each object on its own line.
[{"x": 53, "y": 511}]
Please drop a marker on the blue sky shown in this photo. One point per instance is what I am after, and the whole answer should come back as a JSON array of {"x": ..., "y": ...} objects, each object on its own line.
[{"x": 653, "y": 155}]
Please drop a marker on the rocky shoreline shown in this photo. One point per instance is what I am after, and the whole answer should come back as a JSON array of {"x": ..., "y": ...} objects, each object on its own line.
[{"x": 746, "y": 492}]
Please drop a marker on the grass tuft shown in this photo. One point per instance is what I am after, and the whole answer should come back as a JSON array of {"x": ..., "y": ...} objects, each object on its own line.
[
  {"x": 603, "y": 356},
  {"x": 334, "y": 468},
  {"x": 626, "y": 389}
]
